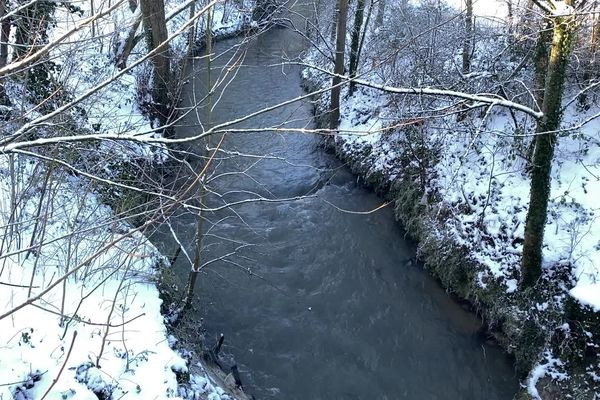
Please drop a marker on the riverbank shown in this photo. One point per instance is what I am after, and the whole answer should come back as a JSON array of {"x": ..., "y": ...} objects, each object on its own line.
[
  {"x": 81, "y": 310},
  {"x": 468, "y": 218}
]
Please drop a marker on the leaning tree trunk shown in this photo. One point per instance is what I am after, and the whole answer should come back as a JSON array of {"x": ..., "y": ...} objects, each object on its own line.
[
  {"x": 340, "y": 47},
  {"x": 155, "y": 27},
  {"x": 544, "y": 150}
]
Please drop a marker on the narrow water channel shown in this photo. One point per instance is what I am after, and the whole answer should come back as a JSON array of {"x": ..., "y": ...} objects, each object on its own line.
[{"x": 335, "y": 307}]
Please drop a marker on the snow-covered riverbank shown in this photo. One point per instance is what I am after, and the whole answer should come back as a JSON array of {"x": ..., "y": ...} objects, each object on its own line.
[
  {"x": 81, "y": 311},
  {"x": 461, "y": 190}
]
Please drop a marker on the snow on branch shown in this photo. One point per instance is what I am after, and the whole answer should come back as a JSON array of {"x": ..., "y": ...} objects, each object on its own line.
[
  {"x": 38, "y": 121},
  {"x": 493, "y": 101},
  {"x": 490, "y": 100},
  {"x": 25, "y": 62}
]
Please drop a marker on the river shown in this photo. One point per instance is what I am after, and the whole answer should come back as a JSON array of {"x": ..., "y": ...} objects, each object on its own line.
[{"x": 335, "y": 305}]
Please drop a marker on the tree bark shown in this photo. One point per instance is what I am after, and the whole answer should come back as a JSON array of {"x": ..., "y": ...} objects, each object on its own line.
[
  {"x": 192, "y": 33},
  {"x": 563, "y": 31},
  {"x": 354, "y": 46},
  {"x": 334, "y": 23},
  {"x": 340, "y": 48},
  {"x": 130, "y": 43},
  {"x": 193, "y": 277},
  {"x": 380, "y": 13},
  {"x": 4, "y": 35},
  {"x": 541, "y": 63},
  {"x": 468, "y": 43},
  {"x": 155, "y": 27}
]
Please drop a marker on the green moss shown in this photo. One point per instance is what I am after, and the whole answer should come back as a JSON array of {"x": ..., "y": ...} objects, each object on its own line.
[{"x": 523, "y": 395}]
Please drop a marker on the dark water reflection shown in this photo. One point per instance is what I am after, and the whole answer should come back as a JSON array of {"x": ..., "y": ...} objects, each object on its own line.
[{"x": 340, "y": 310}]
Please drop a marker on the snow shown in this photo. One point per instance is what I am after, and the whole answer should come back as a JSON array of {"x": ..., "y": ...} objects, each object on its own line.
[
  {"x": 474, "y": 172},
  {"x": 478, "y": 176},
  {"x": 483, "y": 8},
  {"x": 99, "y": 330},
  {"x": 551, "y": 367},
  {"x": 587, "y": 294},
  {"x": 115, "y": 286},
  {"x": 80, "y": 312}
]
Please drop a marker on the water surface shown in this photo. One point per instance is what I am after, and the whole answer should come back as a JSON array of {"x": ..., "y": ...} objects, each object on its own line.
[{"x": 316, "y": 303}]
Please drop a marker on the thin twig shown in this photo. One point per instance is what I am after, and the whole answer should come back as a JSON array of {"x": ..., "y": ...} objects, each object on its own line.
[{"x": 62, "y": 368}]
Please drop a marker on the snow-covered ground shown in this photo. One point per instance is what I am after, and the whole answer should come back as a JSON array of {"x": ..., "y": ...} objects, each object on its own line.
[
  {"x": 78, "y": 309},
  {"x": 80, "y": 312},
  {"x": 79, "y": 306},
  {"x": 115, "y": 107},
  {"x": 476, "y": 172}
]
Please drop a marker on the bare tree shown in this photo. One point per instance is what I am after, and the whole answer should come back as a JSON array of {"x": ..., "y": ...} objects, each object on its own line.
[
  {"x": 546, "y": 136},
  {"x": 340, "y": 50},
  {"x": 155, "y": 26},
  {"x": 355, "y": 43},
  {"x": 468, "y": 42},
  {"x": 4, "y": 35}
]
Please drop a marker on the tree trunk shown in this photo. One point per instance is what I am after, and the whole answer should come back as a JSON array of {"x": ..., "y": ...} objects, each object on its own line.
[
  {"x": 380, "y": 13},
  {"x": 540, "y": 62},
  {"x": 510, "y": 19},
  {"x": 155, "y": 27},
  {"x": 192, "y": 33},
  {"x": 594, "y": 39},
  {"x": 544, "y": 150},
  {"x": 32, "y": 26},
  {"x": 340, "y": 47},
  {"x": 468, "y": 43},
  {"x": 130, "y": 43},
  {"x": 4, "y": 35},
  {"x": 334, "y": 23},
  {"x": 193, "y": 277},
  {"x": 354, "y": 56},
  {"x": 590, "y": 69}
]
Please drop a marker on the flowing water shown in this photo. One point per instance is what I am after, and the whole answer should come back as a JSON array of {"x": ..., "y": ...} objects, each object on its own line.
[{"x": 315, "y": 303}]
